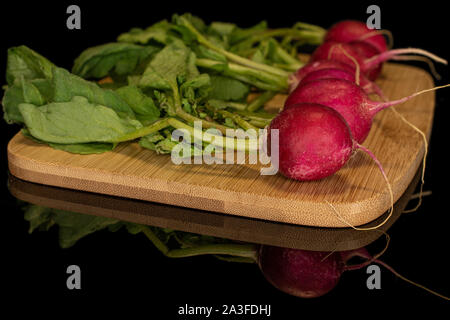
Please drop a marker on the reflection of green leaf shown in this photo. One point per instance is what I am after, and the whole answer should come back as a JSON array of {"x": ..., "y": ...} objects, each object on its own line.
[
  {"x": 38, "y": 217},
  {"x": 74, "y": 226}
]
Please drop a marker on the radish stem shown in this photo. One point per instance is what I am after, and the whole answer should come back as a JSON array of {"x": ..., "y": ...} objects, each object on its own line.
[
  {"x": 378, "y": 106},
  {"x": 259, "y": 79},
  {"x": 231, "y": 56},
  {"x": 260, "y": 100}
]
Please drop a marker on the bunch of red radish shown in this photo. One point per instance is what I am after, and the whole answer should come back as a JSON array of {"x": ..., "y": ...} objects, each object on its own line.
[
  {"x": 328, "y": 113},
  {"x": 326, "y": 117}
]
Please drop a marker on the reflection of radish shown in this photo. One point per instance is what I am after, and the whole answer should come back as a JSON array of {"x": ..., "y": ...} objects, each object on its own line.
[
  {"x": 310, "y": 274},
  {"x": 301, "y": 273},
  {"x": 305, "y": 274},
  {"x": 348, "y": 99}
]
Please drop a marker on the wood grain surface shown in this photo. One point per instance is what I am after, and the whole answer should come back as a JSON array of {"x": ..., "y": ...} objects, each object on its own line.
[{"x": 358, "y": 191}]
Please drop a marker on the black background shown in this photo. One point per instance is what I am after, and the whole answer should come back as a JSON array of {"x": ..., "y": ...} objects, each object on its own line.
[{"x": 125, "y": 268}]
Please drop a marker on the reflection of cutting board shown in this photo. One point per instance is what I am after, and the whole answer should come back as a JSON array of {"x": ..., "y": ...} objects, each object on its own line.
[
  {"x": 357, "y": 191},
  {"x": 207, "y": 222}
]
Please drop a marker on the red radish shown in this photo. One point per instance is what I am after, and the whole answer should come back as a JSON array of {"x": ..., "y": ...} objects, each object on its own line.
[
  {"x": 314, "y": 141},
  {"x": 348, "y": 99},
  {"x": 367, "y": 51},
  {"x": 332, "y": 73},
  {"x": 370, "y": 66},
  {"x": 368, "y": 87},
  {"x": 311, "y": 274},
  {"x": 353, "y": 30},
  {"x": 297, "y": 76}
]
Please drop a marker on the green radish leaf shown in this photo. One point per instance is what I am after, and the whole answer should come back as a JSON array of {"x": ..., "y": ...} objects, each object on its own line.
[
  {"x": 240, "y": 34},
  {"x": 196, "y": 88},
  {"x": 228, "y": 89},
  {"x": 75, "y": 121},
  {"x": 77, "y": 148},
  {"x": 22, "y": 62},
  {"x": 167, "y": 66},
  {"x": 122, "y": 58},
  {"x": 31, "y": 93},
  {"x": 67, "y": 85},
  {"x": 12, "y": 97},
  {"x": 157, "y": 32},
  {"x": 222, "y": 28},
  {"x": 37, "y": 91},
  {"x": 141, "y": 104}
]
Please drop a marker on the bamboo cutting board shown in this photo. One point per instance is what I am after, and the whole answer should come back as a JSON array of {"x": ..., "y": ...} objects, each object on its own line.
[{"x": 358, "y": 191}]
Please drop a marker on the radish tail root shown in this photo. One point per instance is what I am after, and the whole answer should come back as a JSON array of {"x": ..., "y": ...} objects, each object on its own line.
[
  {"x": 375, "y": 60},
  {"x": 391, "y": 194},
  {"x": 425, "y": 141},
  {"x": 430, "y": 64},
  {"x": 424, "y": 194},
  {"x": 375, "y": 260},
  {"x": 385, "y": 32},
  {"x": 409, "y": 281},
  {"x": 370, "y": 259},
  {"x": 357, "y": 67},
  {"x": 424, "y": 163}
]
